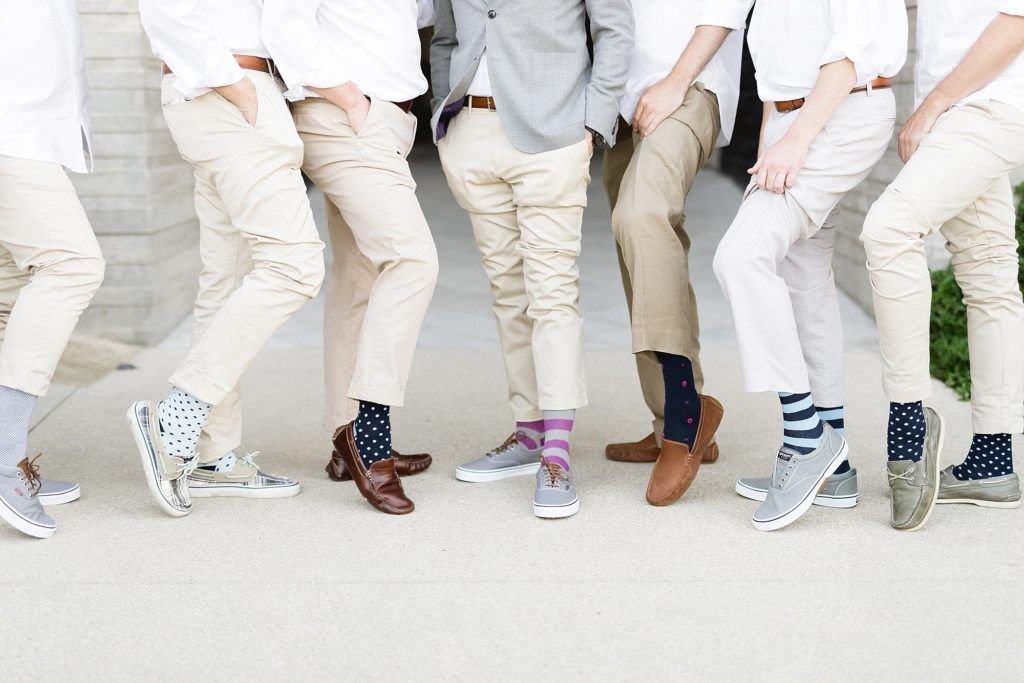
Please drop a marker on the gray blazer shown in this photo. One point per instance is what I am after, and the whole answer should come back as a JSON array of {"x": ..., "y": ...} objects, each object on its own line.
[{"x": 545, "y": 87}]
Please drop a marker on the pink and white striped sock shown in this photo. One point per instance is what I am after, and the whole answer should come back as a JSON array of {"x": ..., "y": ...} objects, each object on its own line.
[
  {"x": 530, "y": 434},
  {"x": 557, "y": 431}
]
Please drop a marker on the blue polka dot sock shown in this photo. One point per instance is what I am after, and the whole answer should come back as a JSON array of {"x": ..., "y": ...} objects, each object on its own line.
[
  {"x": 835, "y": 418},
  {"x": 990, "y": 455},
  {"x": 372, "y": 432},
  {"x": 905, "y": 439},
  {"x": 802, "y": 428},
  {"x": 682, "y": 403}
]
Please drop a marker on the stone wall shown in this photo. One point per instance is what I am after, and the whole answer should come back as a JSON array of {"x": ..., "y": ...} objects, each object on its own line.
[
  {"x": 851, "y": 274},
  {"x": 140, "y": 197}
]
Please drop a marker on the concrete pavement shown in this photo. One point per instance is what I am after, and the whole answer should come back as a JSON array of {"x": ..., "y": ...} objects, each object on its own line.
[{"x": 472, "y": 586}]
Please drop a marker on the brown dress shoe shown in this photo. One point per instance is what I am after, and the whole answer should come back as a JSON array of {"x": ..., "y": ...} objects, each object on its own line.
[
  {"x": 647, "y": 451},
  {"x": 380, "y": 484},
  {"x": 677, "y": 465},
  {"x": 405, "y": 465}
]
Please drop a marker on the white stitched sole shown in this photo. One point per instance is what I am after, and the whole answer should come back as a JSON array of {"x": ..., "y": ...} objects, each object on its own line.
[
  {"x": 234, "y": 491},
  {"x": 9, "y": 515},
  {"x": 149, "y": 466},
  {"x": 1005, "y": 504},
  {"x": 477, "y": 477},
  {"x": 822, "y": 501},
  {"x": 553, "y": 512},
  {"x": 60, "y": 498}
]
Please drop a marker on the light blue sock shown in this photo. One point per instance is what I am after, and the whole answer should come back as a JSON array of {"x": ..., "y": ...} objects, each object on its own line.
[{"x": 15, "y": 416}]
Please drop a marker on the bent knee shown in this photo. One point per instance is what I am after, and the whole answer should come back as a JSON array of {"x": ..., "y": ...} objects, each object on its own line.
[{"x": 890, "y": 220}]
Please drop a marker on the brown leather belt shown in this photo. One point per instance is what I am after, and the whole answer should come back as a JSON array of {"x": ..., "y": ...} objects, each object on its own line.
[
  {"x": 476, "y": 102},
  {"x": 404, "y": 106},
  {"x": 246, "y": 62},
  {"x": 792, "y": 105}
]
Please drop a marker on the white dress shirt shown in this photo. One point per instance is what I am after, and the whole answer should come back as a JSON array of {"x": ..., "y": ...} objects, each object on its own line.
[
  {"x": 481, "y": 83},
  {"x": 197, "y": 38},
  {"x": 323, "y": 43},
  {"x": 44, "y": 97},
  {"x": 947, "y": 30},
  {"x": 790, "y": 40},
  {"x": 664, "y": 29}
]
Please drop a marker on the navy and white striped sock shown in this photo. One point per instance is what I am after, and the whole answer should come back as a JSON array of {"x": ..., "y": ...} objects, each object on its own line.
[
  {"x": 803, "y": 428},
  {"x": 835, "y": 418}
]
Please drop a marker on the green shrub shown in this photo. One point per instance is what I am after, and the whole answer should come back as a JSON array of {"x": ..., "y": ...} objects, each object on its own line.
[{"x": 949, "y": 357}]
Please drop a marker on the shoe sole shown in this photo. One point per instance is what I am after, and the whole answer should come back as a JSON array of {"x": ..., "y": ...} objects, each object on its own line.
[
  {"x": 497, "y": 475},
  {"x": 1004, "y": 504},
  {"x": 935, "y": 473},
  {"x": 822, "y": 501},
  {"x": 60, "y": 498},
  {"x": 149, "y": 466},
  {"x": 556, "y": 512},
  {"x": 805, "y": 504},
  {"x": 234, "y": 491},
  {"x": 25, "y": 526}
]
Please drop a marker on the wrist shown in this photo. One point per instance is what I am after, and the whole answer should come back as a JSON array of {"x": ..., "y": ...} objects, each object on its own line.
[
  {"x": 350, "y": 96},
  {"x": 936, "y": 104}
]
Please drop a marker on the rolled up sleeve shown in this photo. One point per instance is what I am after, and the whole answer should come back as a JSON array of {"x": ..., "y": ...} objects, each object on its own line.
[
  {"x": 726, "y": 13},
  {"x": 1014, "y": 7},
  {"x": 179, "y": 31},
  {"x": 302, "y": 53},
  {"x": 870, "y": 33}
]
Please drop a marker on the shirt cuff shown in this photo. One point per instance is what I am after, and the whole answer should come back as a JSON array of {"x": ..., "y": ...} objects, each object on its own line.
[
  {"x": 840, "y": 48},
  {"x": 1014, "y": 7},
  {"x": 224, "y": 71},
  {"x": 716, "y": 15}
]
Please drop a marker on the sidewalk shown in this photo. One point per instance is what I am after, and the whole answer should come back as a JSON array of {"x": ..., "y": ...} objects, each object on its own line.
[{"x": 472, "y": 586}]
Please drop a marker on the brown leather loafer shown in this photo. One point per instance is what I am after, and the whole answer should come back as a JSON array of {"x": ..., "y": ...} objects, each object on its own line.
[
  {"x": 405, "y": 465},
  {"x": 677, "y": 465},
  {"x": 380, "y": 484},
  {"x": 647, "y": 451}
]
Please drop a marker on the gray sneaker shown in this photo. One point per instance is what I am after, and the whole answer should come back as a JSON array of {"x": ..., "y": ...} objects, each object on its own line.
[
  {"x": 54, "y": 492},
  {"x": 19, "y": 504},
  {"x": 994, "y": 492},
  {"x": 510, "y": 459},
  {"x": 239, "y": 477},
  {"x": 840, "y": 490},
  {"x": 555, "y": 496},
  {"x": 914, "y": 486},
  {"x": 166, "y": 475},
  {"x": 797, "y": 480}
]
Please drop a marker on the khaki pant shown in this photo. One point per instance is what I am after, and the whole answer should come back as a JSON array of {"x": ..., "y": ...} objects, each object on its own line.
[
  {"x": 248, "y": 184},
  {"x": 385, "y": 263},
  {"x": 647, "y": 182},
  {"x": 50, "y": 268},
  {"x": 527, "y": 216},
  {"x": 957, "y": 183},
  {"x": 775, "y": 261}
]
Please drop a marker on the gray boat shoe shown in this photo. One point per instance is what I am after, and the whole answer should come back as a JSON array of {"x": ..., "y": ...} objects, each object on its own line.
[
  {"x": 840, "y": 490},
  {"x": 510, "y": 459},
  {"x": 914, "y": 486},
  {"x": 555, "y": 496},
  {"x": 797, "y": 480},
  {"x": 994, "y": 492}
]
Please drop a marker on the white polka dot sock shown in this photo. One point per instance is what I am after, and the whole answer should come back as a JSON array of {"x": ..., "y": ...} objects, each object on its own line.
[
  {"x": 182, "y": 417},
  {"x": 372, "y": 432},
  {"x": 990, "y": 455},
  {"x": 905, "y": 439}
]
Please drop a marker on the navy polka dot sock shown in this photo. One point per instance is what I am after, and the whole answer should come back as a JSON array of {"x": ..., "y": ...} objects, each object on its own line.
[
  {"x": 906, "y": 431},
  {"x": 990, "y": 455},
  {"x": 835, "y": 418},
  {"x": 802, "y": 427},
  {"x": 682, "y": 403},
  {"x": 373, "y": 432}
]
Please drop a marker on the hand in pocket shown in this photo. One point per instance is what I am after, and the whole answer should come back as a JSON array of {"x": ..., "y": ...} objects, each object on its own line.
[{"x": 245, "y": 98}]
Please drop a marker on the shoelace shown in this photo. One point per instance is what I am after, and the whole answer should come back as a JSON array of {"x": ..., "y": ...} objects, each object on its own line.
[
  {"x": 553, "y": 474},
  {"x": 248, "y": 459},
  {"x": 906, "y": 476},
  {"x": 506, "y": 445},
  {"x": 779, "y": 481},
  {"x": 30, "y": 473}
]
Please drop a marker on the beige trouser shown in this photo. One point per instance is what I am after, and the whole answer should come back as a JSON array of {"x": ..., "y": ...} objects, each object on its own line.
[
  {"x": 527, "y": 216},
  {"x": 50, "y": 268},
  {"x": 385, "y": 263},
  {"x": 775, "y": 261},
  {"x": 647, "y": 181},
  {"x": 957, "y": 183},
  {"x": 248, "y": 185}
]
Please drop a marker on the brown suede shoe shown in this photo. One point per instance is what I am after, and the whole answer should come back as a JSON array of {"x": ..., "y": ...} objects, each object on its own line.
[
  {"x": 405, "y": 465},
  {"x": 379, "y": 485},
  {"x": 647, "y": 451},
  {"x": 677, "y": 466}
]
